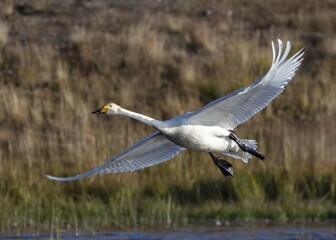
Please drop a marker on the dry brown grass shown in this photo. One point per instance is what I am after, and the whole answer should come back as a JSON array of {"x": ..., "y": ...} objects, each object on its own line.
[
  {"x": 3, "y": 34},
  {"x": 60, "y": 60}
]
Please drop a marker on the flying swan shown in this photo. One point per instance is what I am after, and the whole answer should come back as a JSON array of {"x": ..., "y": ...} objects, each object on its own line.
[{"x": 208, "y": 129}]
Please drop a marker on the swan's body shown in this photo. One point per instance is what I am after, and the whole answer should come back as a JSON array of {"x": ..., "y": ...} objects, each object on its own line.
[
  {"x": 198, "y": 137},
  {"x": 207, "y": 129}
]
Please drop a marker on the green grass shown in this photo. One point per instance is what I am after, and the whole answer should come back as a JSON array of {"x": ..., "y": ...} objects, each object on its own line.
[
  {"x": 96, "y": 205},
  {"x": 59, "y": 61}
]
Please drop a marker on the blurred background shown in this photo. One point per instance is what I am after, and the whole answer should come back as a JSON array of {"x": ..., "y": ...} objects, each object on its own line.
[{"x": 60, "y": 60}]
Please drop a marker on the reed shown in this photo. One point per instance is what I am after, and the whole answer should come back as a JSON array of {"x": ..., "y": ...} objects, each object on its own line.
[{"x": 163, "y": 61}]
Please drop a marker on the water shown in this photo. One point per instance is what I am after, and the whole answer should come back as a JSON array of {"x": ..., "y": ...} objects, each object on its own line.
[{"x": 213, "y": 233}]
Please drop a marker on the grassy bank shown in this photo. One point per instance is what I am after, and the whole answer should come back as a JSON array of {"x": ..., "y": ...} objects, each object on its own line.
[{"x": 59, "y": 60}]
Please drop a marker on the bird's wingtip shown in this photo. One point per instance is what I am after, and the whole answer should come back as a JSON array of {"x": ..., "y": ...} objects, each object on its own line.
[
  {"x": 288, "y": 44},
  {"x": 59, "y": 179},
  {"x": 279, "y": 42},
  {"x": 69, "y": 179},
  {"x": 49, "y": 177}
]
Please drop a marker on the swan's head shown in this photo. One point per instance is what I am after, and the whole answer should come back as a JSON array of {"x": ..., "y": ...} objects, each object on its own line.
[{"x": 110, "y": 108}]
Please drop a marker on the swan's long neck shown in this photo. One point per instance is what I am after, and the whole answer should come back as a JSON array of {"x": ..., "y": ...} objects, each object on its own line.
[{"x": 142, "y": 118}]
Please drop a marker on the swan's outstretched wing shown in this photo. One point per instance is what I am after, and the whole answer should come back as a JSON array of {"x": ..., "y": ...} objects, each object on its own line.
[
  {"x": 151, "y": 150},
  {"x": 239, "y": 106}
]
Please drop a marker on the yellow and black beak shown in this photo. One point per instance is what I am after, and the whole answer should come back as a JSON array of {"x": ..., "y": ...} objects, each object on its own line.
[{"x": 101, "y": 110}]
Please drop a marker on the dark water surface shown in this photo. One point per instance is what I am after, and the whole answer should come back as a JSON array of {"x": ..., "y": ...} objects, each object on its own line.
[{"x": 242, "y": 232}]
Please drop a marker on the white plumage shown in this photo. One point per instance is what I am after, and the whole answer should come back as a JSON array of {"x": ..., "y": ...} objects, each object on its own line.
[{"x": 207, "y": 129}]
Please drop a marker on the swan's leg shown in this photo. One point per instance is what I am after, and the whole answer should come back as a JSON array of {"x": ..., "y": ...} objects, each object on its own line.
[
  {"x": 223, "y": 165},
  {"x": 246, "y": 148}
]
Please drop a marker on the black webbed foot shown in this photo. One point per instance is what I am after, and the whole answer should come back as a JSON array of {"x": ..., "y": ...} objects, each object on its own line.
[
  {"x": 246, "y": 148},
  {"x": 225, "y": 167}
]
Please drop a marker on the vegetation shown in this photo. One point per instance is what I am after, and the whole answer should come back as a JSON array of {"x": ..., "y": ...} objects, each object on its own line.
[{"x": 59, "y": 60}]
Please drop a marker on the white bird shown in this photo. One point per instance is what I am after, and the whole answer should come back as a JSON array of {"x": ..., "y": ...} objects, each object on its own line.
[{"x": 208, "y": 129}]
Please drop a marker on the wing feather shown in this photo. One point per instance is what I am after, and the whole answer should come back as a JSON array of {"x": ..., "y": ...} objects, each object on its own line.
[
  {"x": 152, "y": 150},
  {"x": 239, "y": 106}
]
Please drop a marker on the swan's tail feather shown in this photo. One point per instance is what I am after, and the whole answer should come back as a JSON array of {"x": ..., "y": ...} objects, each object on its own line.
[
  {"x": 251, "y": 143},
  {"x": 245, "y": 156},
  {"x": 252, "y": 148}
]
